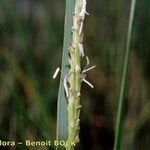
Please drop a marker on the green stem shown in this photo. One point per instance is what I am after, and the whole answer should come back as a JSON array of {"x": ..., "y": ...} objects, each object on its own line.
[
  {"x": 74, "y": 79},
  {"x": 119, "y": 123}
]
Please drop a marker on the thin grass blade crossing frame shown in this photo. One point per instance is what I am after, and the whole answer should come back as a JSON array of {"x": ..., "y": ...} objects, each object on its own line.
[{"x": 119, "y": 123}]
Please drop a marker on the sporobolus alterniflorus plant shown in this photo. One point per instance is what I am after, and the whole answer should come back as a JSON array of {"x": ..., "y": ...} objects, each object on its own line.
[{"x": 72, "y": 81}]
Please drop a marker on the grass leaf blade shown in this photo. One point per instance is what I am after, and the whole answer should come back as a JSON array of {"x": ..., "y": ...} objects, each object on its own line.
[
  {"x": 119, "y": 122},
  {"x": 62, "y": 119}
]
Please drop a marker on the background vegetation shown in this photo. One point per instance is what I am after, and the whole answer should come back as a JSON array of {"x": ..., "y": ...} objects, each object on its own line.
[{"x": 31, "y": 38}]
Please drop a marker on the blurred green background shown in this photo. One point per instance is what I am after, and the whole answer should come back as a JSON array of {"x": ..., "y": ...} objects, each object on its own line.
[{"x": 31, "y": 41}]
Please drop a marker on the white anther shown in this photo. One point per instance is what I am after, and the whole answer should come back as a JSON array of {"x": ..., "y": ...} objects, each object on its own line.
[
  {"x": 87, "y": 82},
  {"x": 83, "y": 10},
  {"x": 65, "y": 85},
  {"x": 56, "y": 73},
  {"x": 82, "y": 15},
  {"x": 85, "y": 70},
  {"x": 81, "y": 50},
  {"x": 81, "y": 27}
]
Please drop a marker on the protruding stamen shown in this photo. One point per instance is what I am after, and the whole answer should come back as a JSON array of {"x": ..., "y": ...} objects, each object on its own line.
[
  {"x": 83, "y": 10},
  {"x": 87, "y": 63},
  {"x": 56, "y": 73},
  {"x": 85, "y": 70},
  {"x": 65, "y": 85},
  {"x": 87, "y": 82},
  {"x": 82, "y": 15},
  {"x": 87, "y": 60},
  {"x": 81, "y": 27}
]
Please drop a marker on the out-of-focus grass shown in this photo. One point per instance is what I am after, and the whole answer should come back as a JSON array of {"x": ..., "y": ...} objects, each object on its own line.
[
  {"x": 29, "y": 46},
  {"x": 31, "y": 37}
]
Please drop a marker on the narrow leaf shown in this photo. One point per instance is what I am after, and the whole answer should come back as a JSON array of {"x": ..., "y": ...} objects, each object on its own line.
[
  {"x": 62, "y": 119},
  {"x": 119, "y": 123}
]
